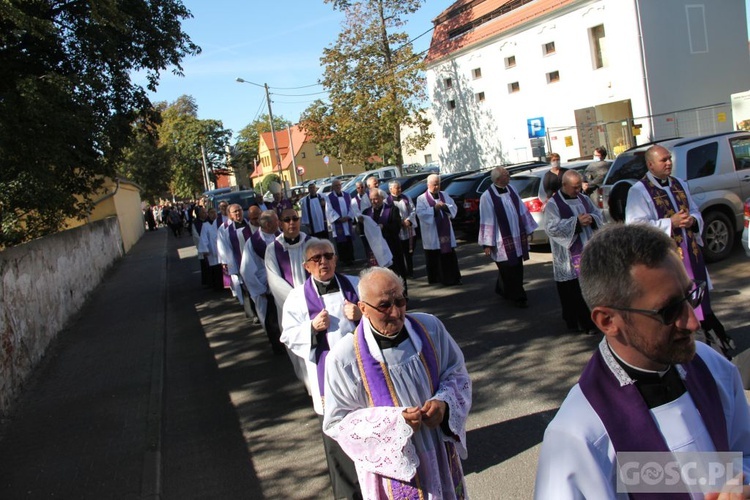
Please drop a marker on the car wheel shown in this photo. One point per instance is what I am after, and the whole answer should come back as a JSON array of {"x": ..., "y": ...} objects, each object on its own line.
[
  {"x": 618, "y": 198},
  {"x": 718, "y": 236}
]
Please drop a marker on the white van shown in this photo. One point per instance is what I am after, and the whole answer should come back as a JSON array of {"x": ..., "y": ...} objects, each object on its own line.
[{"x": 384, "y": 173}]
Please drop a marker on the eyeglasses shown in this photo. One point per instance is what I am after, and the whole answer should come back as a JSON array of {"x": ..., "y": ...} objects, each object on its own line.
[
  {"x": 668, "y": 314},
  {"x": 290, "y": 219},
  {"x": 385, "y": 307},
  {"x": 319, "y": 257}
]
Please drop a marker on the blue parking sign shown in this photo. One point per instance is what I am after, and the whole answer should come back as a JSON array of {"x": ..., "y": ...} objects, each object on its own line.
[{"x": 536, "y": 127}]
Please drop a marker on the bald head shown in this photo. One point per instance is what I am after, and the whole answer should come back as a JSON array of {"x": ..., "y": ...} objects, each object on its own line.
[
  {"x": 572, "y": 183},
  {"x": 433, "y": 183},
  {"x": 253, "y": 215}
]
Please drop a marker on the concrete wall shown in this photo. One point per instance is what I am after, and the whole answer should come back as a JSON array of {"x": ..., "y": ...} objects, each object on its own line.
[{"x": 42, "y": 285}]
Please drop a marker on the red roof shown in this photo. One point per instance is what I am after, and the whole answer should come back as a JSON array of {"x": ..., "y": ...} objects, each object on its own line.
[
  {"x": 299, "y": 137},
  {"x": 474, "y": 21}
]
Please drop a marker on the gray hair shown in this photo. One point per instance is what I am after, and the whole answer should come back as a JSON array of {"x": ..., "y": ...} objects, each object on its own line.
[
  {"x": 380, "y": 192},
  {"x": 317, "y": 243},
  {"x": 368, "y": 274},
  {"x": 571, "y": 175},
  {"x": 609, "y": 257},
  {"x": 394, "y": 183},
  {"x": 267, "y": 216},
  {"x": 496, "y": 172}
]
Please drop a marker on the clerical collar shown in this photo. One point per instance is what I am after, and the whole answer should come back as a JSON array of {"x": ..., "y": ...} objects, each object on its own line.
[
  {"x": 385, "y": 342},
  {"x": 239, "y": 225},
  {"x": 326, "y": 287},
  {"x": 661, "y": 182},
  {"x": 656, "y": 387},
  {"x": 293, "y": 241},
  {"x": 566, "y": 197},
  {"x": 501, "y": 190}
]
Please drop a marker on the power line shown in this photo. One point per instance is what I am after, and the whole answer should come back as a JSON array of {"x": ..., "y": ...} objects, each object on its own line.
[
  {"x": 298, "y": 88},
  {"x": 300, "y": 95}
]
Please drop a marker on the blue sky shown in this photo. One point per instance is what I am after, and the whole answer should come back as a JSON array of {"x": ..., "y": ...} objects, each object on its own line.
[
  {"x": 275, "y": 42},
  {"x": 278, "y": 42}
]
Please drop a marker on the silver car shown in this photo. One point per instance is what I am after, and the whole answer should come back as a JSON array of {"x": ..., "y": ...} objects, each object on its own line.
[
  {"x": 529, "y": 186},
  {"x": 745, "y": 237}
]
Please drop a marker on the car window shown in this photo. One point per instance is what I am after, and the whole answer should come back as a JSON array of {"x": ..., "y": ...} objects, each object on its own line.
[
  {"x": 486, "y": 182},
  {"x": 627, "y": 166},
  {"x": 460, "y": 187},
  {"x": 701, "y": 161},
  {"x": 741, "y": 151},
  {"x": 527, "y": 187}
]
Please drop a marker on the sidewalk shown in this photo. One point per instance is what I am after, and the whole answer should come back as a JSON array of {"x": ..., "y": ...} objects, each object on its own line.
[{"x": 130, "y": 401}]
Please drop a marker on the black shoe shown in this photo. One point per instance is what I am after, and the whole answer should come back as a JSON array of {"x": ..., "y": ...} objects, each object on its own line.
[{"x": 522, "y": 304}]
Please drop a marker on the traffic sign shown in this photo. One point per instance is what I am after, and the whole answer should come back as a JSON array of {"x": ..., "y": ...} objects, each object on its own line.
[
  {"x": 300, "y": 170},
  {"x": 326, "y": 159},
  {"x": 536, "y": 127}
]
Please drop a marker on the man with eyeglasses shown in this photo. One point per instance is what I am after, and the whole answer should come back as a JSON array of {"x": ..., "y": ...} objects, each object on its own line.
[
  {"x": 253, "y": 271},
  {"x": 397, "y": 396},
  {"x": 649, "y": 387},
  {"x": 285, "y": 269},
  {"x": 664, "y": 202},
  {"x": 570, "y": 221},
  {"x": 317, "y": 315}
]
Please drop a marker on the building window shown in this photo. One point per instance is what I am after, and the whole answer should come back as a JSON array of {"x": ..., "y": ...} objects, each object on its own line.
[
  {"x": 427, "y": 159},
  {"x": 448, "y": 83},
  {"x": 513, "y": 87},
  {"x": 476, "y": 73},
  {"x": 598, "y": 44},
  {"x": 553, "y": 77},
  {"x": 548, "y": 48},
  {"x": 451, "y": 104},
  {"x": 510, "y": 62},
  {"x": 303, "y": 154},
  {"x": 479, "y": 96},
  {"x": 696, "y": 23}
]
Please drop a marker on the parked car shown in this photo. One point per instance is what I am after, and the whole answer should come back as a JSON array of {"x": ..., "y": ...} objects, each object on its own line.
[
  {"x": 746, "y": 230},
  {"x": 717, "y": 171},
  {"x": 418, "y": 188},
  {"x": 384, "y": 173},
  {"x": 245, "y": 198},
  {"x": 406, "y": 181},
  {"x": 467, "y": 190}
]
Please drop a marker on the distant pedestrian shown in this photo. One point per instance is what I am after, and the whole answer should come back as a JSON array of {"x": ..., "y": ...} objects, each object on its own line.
[{"x": 435, "y": 210}]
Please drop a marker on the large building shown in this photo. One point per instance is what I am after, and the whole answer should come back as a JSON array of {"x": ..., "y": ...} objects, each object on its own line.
[{"x": 510, "y": 80}]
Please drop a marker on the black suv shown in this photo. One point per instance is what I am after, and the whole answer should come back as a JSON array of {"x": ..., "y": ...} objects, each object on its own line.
[{"x": 467, "y": 190}]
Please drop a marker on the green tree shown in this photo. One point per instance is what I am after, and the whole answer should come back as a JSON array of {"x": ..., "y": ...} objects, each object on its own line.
[
  {"x": 248, "y": 139},
  {"x": 183, "y": 135},
  {"x": 374, "y": 81},
  {"x": 145, "y": 160},
  {"x": 67, "y": 101}
]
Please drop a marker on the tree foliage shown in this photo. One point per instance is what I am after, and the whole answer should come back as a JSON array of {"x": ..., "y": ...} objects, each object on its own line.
[
  {"x": 67, "y": 101},
  {"x": 183, "y": 135},
  {"x": 375, "y": 84},
  {"x": 248, "y": 139}
]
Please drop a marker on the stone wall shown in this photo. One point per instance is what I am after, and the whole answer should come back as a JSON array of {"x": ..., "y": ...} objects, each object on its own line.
[{"x": 43, "y": 283}]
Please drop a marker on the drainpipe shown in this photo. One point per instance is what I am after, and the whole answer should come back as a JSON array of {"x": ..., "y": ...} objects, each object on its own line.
[{"x": 646, "y": 89}]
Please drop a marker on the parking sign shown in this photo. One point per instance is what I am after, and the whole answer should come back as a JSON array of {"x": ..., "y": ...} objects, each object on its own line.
[{"x": 536, "y": 127}]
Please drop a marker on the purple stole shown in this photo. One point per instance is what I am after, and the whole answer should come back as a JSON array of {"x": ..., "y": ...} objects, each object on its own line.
[
  {"x": 285, "y": 265},
  {"x": 281, "y": 206},
  {"x": 502, "y": 221},
  {"x": 219, "y": 220},
  {"x": 442, "y": 223},
  {"x": 566, "y": 213},
  {"x": 259, "y": 244},
  {"x": 315, "y": 304},
  {"x": 385, "y": 214},
  {"x": 379, "y": 388},
  {"x": 690, "y": 252},
  {"x": 626, "y": 416},
  {"x": 236, "y": 250},
  {"x": 198, "y": 225},
  {"x": 334, "y": 200},
  {"x": 309, "y": 213}
]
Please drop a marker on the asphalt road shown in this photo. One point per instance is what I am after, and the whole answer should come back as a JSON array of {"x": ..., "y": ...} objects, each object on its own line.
[{"x": 257, "y": 436}]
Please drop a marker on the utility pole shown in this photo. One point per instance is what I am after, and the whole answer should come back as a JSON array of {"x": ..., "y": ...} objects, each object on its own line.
[
  {"x": 273, "y": 133},
  {"x": 291, "y": 148}
]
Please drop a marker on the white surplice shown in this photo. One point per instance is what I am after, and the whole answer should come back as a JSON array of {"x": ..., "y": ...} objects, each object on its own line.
[
  {"x": 253, "y": 272},
  {"x": 489, "y": 229},
  {"x": 408, "y": 212},
  {"x": 227, "y": 257},
  {"x": 313, "y": 215},
  {"x": 332, "y": 215},
  {"x": 426, "y": 214},
  {"x": 208, "y": 242},
  {"x": 378, "y": 245},
  {"x": 577, "y": 459},
  {"x": 562, "y": 233},
  {"x": 297, "y": 333},
  {"x": 356, "y": 427}
]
